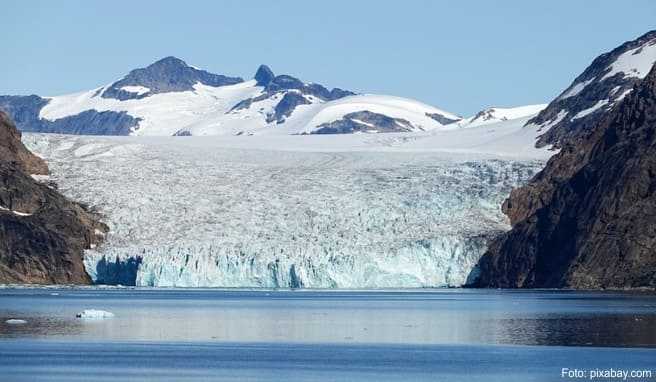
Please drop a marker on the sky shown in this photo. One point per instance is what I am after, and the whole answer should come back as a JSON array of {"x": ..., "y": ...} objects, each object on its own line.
[{"x": 460, "y": 56}]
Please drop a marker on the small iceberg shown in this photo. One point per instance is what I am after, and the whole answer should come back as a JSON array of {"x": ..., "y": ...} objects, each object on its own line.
[
  {"x": 15, "y": 321},
  {"x": 94, "y": 314}
]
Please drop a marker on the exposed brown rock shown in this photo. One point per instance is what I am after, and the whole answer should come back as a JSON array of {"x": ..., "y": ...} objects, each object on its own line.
[
  {"x": 14, "y": 152},
  {"x": 42, "y": 234},
  {"x": 588, "y": 220}
]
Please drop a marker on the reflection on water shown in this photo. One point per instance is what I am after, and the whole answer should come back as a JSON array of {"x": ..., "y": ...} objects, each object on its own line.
[
  {"x": 606, "y": 330},
  {"x": 38, "y": 326},
  {"x": 401, "y": 317}
]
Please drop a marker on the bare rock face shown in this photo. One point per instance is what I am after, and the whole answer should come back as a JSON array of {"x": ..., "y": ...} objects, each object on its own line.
[
  {"x": 170, "y": 74},
  {"x": 588, "y": 220},
  {"x": 42, "y": 234},
  {"x": 14, "y": 153}
]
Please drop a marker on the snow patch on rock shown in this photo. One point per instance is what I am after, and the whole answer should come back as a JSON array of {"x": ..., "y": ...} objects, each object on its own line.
[
  {"x": 596, "y": 107},
  {"x": 635, "y": 62},
  {"x": 139, "y": 90},
  {"x": 576, "y": 88}
]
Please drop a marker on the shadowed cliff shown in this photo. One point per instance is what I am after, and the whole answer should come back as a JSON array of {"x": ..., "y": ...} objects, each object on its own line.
[{"x": 588, "y": 220}]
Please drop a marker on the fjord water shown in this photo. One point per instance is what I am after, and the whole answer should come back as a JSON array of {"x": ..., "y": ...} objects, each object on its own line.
[{"x": 271, "y": 335}]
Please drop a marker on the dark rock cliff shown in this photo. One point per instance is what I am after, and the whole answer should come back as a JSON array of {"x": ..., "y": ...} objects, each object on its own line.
[
  {"x": 588, "y": 220},
  {"x": 286, "y": 107},
  {"x": 264, "y": 75},
  {"x": 42, "y": 234}
]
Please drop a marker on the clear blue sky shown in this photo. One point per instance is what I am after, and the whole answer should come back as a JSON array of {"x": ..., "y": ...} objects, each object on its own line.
[{"x": 457, "y": 55}]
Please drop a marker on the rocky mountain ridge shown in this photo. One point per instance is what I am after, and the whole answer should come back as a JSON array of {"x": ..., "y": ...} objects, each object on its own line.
[
  {"x": 602, "y": 85},
  {"x": 170, "y": 97},
  {"x": 588, "y": 220}
]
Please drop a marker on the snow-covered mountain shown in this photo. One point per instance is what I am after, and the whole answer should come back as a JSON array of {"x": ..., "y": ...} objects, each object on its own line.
[
  {"x": 602, "y": 85},
  {"x": 499, "y": 114},
  {"x": 170, "y": 97}
]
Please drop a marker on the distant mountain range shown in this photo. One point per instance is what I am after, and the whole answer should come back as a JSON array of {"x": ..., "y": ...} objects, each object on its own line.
[{"x": 170, "y": 97}]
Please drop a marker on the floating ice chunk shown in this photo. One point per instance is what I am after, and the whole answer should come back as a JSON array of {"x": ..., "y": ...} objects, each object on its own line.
[
  {"x": 94, "y": 314},
  {"x": 15, "y": 321}
]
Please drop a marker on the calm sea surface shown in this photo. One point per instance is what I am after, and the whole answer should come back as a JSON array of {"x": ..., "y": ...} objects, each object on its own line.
[{"x": 243, "y": 335}]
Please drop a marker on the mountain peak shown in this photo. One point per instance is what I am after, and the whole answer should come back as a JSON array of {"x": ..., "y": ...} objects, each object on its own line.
[
  {"x": 264, "y": 75},
  {"x": 602, "y": 85},
  {"x": 169, "y": 74},
  {"x": 168, "y": 62}
]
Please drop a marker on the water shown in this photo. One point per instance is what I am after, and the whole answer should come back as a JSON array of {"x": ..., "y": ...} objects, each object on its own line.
[{"x": 209, "y": 334}]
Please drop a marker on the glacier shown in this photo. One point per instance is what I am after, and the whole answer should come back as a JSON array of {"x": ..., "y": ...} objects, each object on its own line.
[{"x": 356, "y": 211}]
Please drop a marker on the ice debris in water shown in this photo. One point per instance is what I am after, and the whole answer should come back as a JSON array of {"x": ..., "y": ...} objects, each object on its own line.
[
  {"x": 15, "y": 321},
  {"x": 94, "y": 314}
]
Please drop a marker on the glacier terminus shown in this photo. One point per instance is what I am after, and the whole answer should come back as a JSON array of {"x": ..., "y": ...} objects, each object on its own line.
[{"x": 409, "y": 209}]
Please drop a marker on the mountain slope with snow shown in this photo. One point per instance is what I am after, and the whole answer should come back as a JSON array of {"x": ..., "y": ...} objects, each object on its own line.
[
  {"x": 602, "y": 85},
  {"x": 170, "y": 97},
  {"x": 499, "y": 114}
]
